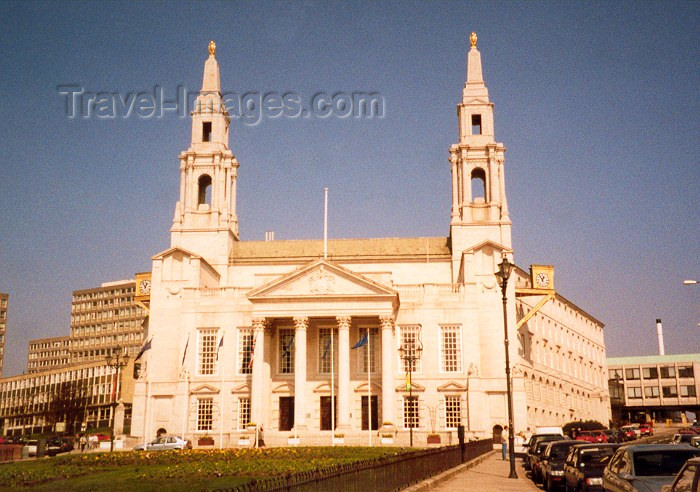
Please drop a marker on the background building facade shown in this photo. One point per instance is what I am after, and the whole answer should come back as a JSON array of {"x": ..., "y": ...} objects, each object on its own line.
[
  {"x": 48, "y": 353},
  {"x": 654, "y": 387},
  {"x": 4, "y": 301}
]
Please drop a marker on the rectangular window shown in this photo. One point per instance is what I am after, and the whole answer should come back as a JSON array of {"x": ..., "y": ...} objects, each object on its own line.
[
  {"x": 373, "y": 350},
  {"x": 243, "y": 412},
  {"x": 450, "y": 348},
  {"x": 615, "y": 374},
  {"x": 410, "y": 412},
  {"x": 685, "y": 371},
  {"x": 206, "y": 131},
  {"x": 327, "y": 349},
  {"x": 476, "y": 124},
  {"x": 245, "y": 351},
  {"x": 650, "y": 373},
  {"x": 286, "y": 350},
  {"x": 453, "y": 412},
  {"x": 632, "y": 373},
  {"x": 206, "y": 351},
  {"x": 205, "y": 414},
  {"x": 651, "y": 391},
  {"x": 634, "y": 392},
  {"x": 669, "y": 391},
  {"x": 687, "y": 391},
  {"x": 410, "y": 339},
  {"x": 668, "y": 372}
]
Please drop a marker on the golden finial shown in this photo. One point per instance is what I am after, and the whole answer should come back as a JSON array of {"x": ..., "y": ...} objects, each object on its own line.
[
  {"x": 472, "y": 39},
  {"x": 212, "y": 48}
]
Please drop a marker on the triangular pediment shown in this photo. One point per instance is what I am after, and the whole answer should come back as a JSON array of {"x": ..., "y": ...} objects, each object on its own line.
[
  {"x": 321, "y": 279},
  {"x": 452, "y": 387},
  {"x": 487, "y": 244},
  {"x": 205, "y": 389},
  {"x": 362, "y": 388},
  {"x": 242, "y": 389},
  {"x": 415, "y": 387},
  {"x": 325, "y": 388}
]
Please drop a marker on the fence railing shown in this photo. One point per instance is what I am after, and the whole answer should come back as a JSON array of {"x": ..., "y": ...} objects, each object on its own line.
[{"x": 385, "y": 474}]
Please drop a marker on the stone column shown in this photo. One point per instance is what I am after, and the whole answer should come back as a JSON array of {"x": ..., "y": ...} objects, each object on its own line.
[
  {"x": 343, "y": 416},
  {"x": 257, "y": 392},
  {"x": 388, "y": 361},
  {"x": 301, "y": 324}
]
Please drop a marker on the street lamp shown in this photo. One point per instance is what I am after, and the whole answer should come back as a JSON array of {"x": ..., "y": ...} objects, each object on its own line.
[
  {"x": 115, "y": 362},
  {"x": 503, "y": 274},
  {"x": 410, "y": 352}
]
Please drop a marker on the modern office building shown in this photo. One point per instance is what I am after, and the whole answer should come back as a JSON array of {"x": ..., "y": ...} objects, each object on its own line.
[
  {"x": 4, "y": 301},
  {"x": 48, "y": 353},
  {"x": 303, "y": 336},
  {"x": 103, "y": 318},
  {"x": 654, "y": 387}
]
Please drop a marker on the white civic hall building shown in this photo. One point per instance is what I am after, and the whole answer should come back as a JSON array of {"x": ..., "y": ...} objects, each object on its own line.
[{"x": 270, "y": 333}]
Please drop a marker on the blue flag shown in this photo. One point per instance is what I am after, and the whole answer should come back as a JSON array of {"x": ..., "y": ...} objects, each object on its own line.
[
  {"x": 363, "y": 341},
  {"x": 325, "y": 352},
  {"x": 289, "y": 347},
  {"x": 146, "y": 346}
]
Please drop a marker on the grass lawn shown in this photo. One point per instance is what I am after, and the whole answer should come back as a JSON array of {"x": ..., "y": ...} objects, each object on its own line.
[{"x": 176, "y": 470}]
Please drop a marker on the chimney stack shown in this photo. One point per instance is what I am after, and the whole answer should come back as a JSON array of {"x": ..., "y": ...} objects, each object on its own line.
[{"x": 660, "y": 335}]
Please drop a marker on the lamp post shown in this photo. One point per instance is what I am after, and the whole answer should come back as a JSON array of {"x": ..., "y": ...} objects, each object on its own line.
[
  {"x": 503, "y": 274},
  {"x": 115, "y": 362},
  {"x": 410, "y": 352}
]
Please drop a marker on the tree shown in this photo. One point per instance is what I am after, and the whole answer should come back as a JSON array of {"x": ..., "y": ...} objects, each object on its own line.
[{"x": 66, "y": 403}]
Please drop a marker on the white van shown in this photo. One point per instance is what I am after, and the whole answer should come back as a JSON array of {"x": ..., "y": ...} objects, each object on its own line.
[{"x": 549, "y": 430}]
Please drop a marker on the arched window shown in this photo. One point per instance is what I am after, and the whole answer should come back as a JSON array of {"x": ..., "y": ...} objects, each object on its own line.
[
  {"x": 478, "y": 185},
  {"x": 204, "y": 196}
]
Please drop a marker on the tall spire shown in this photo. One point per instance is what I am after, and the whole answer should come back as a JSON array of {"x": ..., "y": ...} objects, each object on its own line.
[
  {"x": 212, "y": 79},
  {"x": 474, "y": 87}
]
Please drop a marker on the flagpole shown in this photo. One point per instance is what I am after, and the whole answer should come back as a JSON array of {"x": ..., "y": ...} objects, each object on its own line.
[
  {"x": 369, "y": 389},
  {"x": 332, "y": 394},
  {"x": 186, "y": 401},
  {"x": 325, "y": 224},
  {"x": 221, "y": 417},
  {"x": 148, "y": 409}
]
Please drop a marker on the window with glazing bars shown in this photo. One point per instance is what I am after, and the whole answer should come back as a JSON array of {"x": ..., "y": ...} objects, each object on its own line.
[
  {"x": 243, "y": 412},
  {"x": 207, "y": 351},
  {"x": 410, "y": 412},
  {"x": 373, "y": 343},
  {"x": 327, "y": 348},
  {"x": 410, "y": 336},
  {"x": 245, "y": 351},
  {"x": 286, "y": 350},
  {"x": 450, "y": 348},
  {"x": 453, "y": 412},
  {"x": 205, "y": 414}
]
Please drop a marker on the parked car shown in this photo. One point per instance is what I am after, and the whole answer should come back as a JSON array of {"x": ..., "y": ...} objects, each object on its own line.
[
  {"x": 31, "y": 446},
  {"x": 646, "y": 429},
  {"x": 695, "y": 441},
  {"x": 613, "y": 436},
  {"x": 682, "y": 438},
  {"x": 552, "y": 463},
  {"x": 645, "y": 467},
  {"x": 631, "y": 432},
  {"x": 165, "y": 443},
  {"x": 596, "y": 436},
  {"x": 687, "y": 480},
  {"x": 583, "y": 468},
  {"x": 536, "y": 458},
  {"x": 534, "y": 439},
  {"x": 58, "y": 445}
]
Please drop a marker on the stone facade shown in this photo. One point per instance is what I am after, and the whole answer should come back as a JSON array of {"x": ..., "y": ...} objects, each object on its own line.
[
  {"x": 272, "y": 332},
  {"x": 4, "y": 301}
]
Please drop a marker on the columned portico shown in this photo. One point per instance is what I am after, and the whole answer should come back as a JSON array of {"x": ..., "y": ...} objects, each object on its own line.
[
  {"x": 343, "y": 417},
  {"x": 388, "y": 358},
  {"x": 301, "y": 325},
  {"x": 258, "y": 393}
]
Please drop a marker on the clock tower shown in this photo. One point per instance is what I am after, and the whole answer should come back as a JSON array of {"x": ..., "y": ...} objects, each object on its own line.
[
  {"x": 205, "y": 220},
  {"x": 479, "y": 207}
]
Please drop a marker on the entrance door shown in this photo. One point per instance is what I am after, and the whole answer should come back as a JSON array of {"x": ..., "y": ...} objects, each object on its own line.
[
  {"x": 326, "y": 412},
  {"x": 375, "y": 413},
  {"x": 286, "y": 413}
]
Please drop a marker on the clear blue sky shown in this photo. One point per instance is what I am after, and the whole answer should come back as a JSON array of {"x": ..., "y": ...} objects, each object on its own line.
[{"x": 596, "y": 102}]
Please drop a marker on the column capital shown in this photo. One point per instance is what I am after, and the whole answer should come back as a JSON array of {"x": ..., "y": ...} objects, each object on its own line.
[
  {"x": 343, "y": 322},
  {"x": 301, "y": 322},
  {"x": 259, "y": 324},
  {"x": 387, "y": 322}
]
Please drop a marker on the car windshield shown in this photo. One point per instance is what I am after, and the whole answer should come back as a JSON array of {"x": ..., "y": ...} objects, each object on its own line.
[
  {"x": 661, "y": 463},
  {"x": 598, "y": 457}
]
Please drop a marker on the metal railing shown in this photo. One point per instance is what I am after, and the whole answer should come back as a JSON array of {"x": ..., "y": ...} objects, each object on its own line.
[{"x": 384, "y": 474}]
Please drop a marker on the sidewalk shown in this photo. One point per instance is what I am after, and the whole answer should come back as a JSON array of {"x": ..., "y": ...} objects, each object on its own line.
[{"x": 490, "y": 474}]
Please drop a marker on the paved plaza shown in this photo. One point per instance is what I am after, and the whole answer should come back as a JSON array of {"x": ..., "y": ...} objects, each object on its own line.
[{"x": 489, "y": 474}]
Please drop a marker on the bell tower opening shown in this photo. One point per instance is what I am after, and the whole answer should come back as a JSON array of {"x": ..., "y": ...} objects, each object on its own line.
[
  {"x": 476, "y": 124},
  {"x": 206, "y": 131},
  {"x": 478, "y": 185},
  {"x": 204, "y": 196}
]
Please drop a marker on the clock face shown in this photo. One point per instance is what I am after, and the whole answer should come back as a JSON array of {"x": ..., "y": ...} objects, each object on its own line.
[
  {"x": 145, "y": 286},
  {"x": 542, "y": 280}
]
